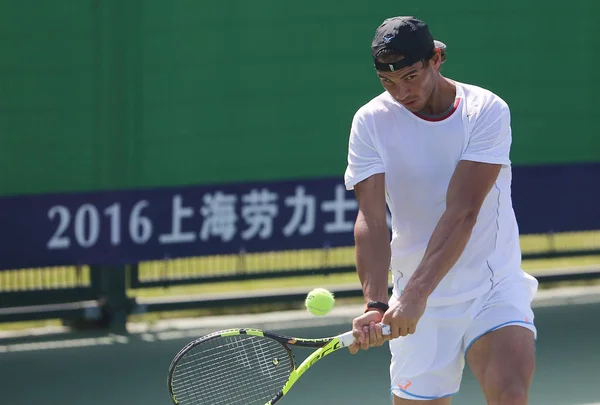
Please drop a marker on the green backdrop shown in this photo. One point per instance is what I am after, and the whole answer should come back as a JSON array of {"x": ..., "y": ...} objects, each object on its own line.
[{"x": 111, "y": 94}]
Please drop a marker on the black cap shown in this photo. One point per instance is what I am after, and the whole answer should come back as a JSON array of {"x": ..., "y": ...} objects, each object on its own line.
[{"x": 408, "y": 36}]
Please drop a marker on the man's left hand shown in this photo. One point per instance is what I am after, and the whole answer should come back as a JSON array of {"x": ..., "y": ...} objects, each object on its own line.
[{"x": 403, "y": 316}]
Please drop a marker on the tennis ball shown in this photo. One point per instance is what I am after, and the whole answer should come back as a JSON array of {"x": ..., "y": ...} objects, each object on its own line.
[{"x": 319, "y": 301}]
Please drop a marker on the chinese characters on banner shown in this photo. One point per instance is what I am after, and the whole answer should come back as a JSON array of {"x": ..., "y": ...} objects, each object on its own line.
[
  {"x": 252, "y": 215},
  {"x": 132, "y": 226}
]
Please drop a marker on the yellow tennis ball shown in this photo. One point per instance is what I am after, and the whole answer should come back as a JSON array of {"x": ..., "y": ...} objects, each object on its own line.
[{"x": 319, "y": 301}]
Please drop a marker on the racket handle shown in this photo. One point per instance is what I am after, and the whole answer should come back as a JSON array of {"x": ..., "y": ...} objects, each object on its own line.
[{"x": 347, "y": 338}]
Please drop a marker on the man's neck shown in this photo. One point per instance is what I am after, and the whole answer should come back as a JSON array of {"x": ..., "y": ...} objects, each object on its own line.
[{"x": 441, "y": 99}]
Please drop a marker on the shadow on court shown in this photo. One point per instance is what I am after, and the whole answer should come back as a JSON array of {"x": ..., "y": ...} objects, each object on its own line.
[{"x": 132, "y": 372}]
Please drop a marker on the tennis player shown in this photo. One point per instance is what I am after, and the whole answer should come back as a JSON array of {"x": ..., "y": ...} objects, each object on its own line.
[{"x": 437, "y": 152}]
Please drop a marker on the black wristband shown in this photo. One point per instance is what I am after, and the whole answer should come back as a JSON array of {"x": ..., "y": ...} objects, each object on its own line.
[{"x": 376, "y": 305}]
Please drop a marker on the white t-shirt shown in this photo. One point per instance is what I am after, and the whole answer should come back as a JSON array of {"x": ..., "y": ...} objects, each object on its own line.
[{"x": 418, "y": 157}]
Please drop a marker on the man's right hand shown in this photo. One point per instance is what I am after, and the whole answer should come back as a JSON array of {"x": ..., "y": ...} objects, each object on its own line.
[{"x": 367, "y": 332}]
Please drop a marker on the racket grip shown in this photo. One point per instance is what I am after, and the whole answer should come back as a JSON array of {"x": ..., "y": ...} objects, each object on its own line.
[{"x": 347, "y": 338}]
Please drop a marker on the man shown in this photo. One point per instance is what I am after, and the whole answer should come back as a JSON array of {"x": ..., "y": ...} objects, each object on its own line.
[{"x": 437, "y": 152}]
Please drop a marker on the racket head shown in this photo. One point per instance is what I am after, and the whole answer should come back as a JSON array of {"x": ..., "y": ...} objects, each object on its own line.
[{"x": 255, "y": 363}]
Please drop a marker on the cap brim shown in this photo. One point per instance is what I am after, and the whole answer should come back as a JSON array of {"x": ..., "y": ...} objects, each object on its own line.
[{"x": 442, "y": 47}]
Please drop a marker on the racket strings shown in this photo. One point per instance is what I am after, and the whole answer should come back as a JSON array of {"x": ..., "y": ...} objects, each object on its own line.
[
  {"x": 232, "y": 370},
  {"x": 246, "y": 357}
]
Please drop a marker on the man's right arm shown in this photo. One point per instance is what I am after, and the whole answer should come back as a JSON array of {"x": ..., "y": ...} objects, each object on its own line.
[
  {"x": 372, "y": 238},
  {"x": 365, "y": 174},
  {"x": 372, "y": 248}
]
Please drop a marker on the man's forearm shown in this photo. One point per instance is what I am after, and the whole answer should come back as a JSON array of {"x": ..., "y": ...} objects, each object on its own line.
[
  {"x": 447, "y": 243},
  {"x": 372, "y": 245}
]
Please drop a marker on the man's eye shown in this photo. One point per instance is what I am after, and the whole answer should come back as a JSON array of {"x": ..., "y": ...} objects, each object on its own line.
[{"x": 409, "y": 78}]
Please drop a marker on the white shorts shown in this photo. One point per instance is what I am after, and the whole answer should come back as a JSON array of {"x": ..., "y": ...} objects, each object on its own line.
[{"x": 429, "y": 363}]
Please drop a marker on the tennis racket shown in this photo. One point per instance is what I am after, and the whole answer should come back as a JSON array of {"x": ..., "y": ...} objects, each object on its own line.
[{"x": 244, "y": 366}]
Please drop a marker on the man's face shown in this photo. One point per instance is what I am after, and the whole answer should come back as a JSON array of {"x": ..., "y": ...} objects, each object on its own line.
[{"x": 412, "y": 85}]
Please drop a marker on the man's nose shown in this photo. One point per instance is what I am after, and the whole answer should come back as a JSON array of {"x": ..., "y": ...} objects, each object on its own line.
[{"x": 402, "y": 91}]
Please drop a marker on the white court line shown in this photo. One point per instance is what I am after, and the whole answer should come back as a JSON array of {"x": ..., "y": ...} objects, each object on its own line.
[{"x": 65, "y": 344}]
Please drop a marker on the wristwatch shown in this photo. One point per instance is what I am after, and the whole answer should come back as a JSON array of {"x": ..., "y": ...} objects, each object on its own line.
[{"x": 376, "y": 306}]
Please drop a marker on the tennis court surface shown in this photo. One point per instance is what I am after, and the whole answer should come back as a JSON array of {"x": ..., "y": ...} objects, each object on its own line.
[{"x": 101, "y": 369}]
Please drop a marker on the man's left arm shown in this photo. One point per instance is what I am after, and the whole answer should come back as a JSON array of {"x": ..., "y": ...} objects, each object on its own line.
[
  {"x": 467, "y": 190},
  {"x": 470, "y": 184}
]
